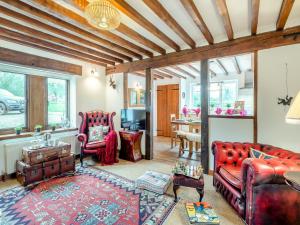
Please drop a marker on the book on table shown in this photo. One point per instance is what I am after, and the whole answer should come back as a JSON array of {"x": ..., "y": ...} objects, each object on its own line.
[{"x": 201, "y": 213}]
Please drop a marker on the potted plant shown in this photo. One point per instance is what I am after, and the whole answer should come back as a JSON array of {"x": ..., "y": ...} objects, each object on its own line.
[
  {"x": 38, "y": 128},
  {"x": 18, "y": 130},
  {"x": 53, "y": 126}
]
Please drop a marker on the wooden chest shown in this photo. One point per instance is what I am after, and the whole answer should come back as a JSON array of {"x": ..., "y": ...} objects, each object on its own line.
[
  {"x": 36, "y": 156},
  {"x": 28, "y": 174}
]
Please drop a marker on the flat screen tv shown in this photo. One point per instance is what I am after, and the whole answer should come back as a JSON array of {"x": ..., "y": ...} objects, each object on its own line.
[{"x": 133, "y": 119}]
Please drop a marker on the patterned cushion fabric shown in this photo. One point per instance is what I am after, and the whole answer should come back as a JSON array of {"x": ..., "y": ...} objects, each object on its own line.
[
  {"x": 105, "y": 129},
  {"x": 260, "y": 155},
  {"x": 96, "y": 133},
  {"x": 154, "y": 181}
]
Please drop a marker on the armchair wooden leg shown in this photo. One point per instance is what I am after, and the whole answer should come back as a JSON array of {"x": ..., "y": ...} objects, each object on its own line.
[{"x": 81, "y": 158}]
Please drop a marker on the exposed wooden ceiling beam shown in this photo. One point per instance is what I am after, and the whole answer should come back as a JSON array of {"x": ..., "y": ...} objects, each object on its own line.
[
  {"x": 198, "y": 71},
  {"x": 69, "y": 14},
  {"x": 142, "y": 74},
  {"x": 22, "y": 58},
  {"x": 110, "y": 48},
  {"x": 44, "y": 36},
  {"x": 223, "y": 11},
  {"x": 254, "y": 15},
  {"x": 285, "y": 10},
  {"x": 164, "y": 15},
  {"x": 184, "y": 71},
  {"x": 227, "y": 48},
  {"x": 23, "y": 39},
  {"x": 31, "y": 43},
  {"x": 62, "y": 33},
  {"x": 172, "y": 73},
  {"x": 236, "y": 65},
  {"x": 125, "y": 8},
  {"x": 192, "y": 10},
  {"x": 139, "y": 38},
  {"x": 222, "y": 67},
  {"x": 127, "y": 31},
  {"x": 163, "y": 74}
]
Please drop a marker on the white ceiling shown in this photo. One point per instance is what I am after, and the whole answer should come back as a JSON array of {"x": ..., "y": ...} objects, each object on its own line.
[{"x": 239, "y": 12}]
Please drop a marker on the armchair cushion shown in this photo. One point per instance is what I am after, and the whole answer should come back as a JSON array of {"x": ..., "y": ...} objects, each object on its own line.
[
  {"x": 254, "y": 153},
  {"x": 96, "y": 133},
  {"x": 232, "y": 175},
  {"x": 95, "y": 144}
]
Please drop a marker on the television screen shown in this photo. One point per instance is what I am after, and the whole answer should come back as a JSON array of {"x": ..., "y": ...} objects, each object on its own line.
[{"x": 133, "y": 119}]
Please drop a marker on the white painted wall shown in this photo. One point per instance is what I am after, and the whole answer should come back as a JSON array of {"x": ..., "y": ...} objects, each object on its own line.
[
  {"x": 272, "y": 128},
  {"x": 86, "y": 92}
]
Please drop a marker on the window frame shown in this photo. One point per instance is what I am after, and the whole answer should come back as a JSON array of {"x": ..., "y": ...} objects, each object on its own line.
[
  {"x": 10, "y": 130},
  {"x": 47, "y": 125}
]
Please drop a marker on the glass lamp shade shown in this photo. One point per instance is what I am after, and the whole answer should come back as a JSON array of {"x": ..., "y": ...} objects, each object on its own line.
[
  {"x": 293, "y": 115},
  {"x": 102, "y": 14}
]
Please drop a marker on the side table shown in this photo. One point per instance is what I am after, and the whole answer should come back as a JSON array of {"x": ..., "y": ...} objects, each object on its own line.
[{"x": 131, "y": 145}]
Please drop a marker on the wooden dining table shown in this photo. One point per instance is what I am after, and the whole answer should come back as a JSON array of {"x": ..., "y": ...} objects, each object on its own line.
[{"x": 193, "y": 125}]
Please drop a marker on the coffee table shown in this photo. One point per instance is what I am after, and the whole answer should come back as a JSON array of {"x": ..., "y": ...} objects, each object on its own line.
[{"x": 188, "y": 175}]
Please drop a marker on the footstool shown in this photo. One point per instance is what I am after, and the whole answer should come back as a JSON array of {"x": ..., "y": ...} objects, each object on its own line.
[
  {"x": 182, "y": 180},
  {"x": 154, "y": 181}
]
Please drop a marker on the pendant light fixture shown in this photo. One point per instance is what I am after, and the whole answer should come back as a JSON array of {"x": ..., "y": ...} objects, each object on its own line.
[{"x": 102, "y": 14}]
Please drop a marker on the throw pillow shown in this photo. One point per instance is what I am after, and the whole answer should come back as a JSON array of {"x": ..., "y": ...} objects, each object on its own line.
[
  {"x": 105, "y": 129},
  {"x": 96, "y": 133},
  {"x": 254, "y": 153}
]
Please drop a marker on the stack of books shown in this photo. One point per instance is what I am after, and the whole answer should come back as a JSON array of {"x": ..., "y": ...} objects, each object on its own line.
[{"x": 201, "y": 213}]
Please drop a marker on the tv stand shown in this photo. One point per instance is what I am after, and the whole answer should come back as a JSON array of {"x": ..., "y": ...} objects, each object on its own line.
[{"x": 131, "y": 145}]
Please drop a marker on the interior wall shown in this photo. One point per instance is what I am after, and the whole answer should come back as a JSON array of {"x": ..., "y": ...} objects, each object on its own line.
[
  {"x": 272, "y": 128},
  {"x": 87, "y": 91}
]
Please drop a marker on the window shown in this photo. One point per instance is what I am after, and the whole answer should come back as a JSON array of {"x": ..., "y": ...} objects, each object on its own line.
[
  {"x": 195, "y": 96},
  {"x": 12, "y": 100},
  {"x": 58, "y": 110}
]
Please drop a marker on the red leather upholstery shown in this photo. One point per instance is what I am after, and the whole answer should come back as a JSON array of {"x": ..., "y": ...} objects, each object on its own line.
[
  {"x": 256, "y": 188},
  {"x": 105, "y": 150}
]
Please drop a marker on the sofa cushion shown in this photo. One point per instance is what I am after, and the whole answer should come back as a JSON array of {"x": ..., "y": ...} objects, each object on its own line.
[
  {"x": 96, "y": 133},
  {"x": 154, "y": 181},
  {"x": 260, "y": 155},
  {"x": 232, "y": 174},
  {"x": 95, "y": 144}
]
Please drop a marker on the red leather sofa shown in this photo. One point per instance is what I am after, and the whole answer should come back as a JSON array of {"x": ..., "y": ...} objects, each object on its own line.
[
  {"x": 256, "y": 188},
  {"x": 106, "y": 150}
]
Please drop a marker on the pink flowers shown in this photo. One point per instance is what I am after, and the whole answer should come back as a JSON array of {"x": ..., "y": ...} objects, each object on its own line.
[
  {"x": 229, "y": 112},
  {"x": 218, "y": 111},
  {"x": 185, "y": 110},
  {"x": 197, "y": 111}
]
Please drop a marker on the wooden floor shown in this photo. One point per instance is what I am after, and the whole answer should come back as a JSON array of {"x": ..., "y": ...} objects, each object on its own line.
[{"x": 162, "y": 151}]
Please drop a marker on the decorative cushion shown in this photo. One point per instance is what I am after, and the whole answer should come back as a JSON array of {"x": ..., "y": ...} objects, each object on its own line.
[
  {"x": 260, "y": 155},
  {"x": 96, "y": 133},
  {"x": 154, "y": 181},
  {"x": 105, "y": 129}
]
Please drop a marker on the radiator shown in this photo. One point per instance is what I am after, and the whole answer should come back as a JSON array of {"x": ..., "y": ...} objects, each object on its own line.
[{"x": 13, "y": 151}]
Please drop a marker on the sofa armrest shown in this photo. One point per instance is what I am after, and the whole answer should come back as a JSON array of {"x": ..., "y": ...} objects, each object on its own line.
[
  {"x": 82, "y": 138},
  {"x": 270, "y": 171}
]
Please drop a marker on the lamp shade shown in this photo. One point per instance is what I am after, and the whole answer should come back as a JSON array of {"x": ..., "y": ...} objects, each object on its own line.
[
  {"x": 102, "y": 14},
  {"x": 293, "y": 115}
]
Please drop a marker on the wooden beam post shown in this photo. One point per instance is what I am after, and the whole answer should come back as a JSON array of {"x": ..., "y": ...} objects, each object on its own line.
[
  {"x": 255, "y": 78},
  {"x": 125, "y": 90},
  {"x": 204, "y": 115},
  {"x": 149, "y": 114}
]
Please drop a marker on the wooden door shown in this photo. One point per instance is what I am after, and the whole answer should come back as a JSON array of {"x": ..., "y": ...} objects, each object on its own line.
[{"x": 167, "y": 104}]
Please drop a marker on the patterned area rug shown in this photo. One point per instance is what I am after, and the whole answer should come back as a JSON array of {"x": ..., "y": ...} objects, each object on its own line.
[{"x": 90, "y": 197}]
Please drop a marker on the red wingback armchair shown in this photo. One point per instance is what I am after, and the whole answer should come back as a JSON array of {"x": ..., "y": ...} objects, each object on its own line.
[
  {"x": 105, "y": 150},
  {"x": 256, "y": 188}
]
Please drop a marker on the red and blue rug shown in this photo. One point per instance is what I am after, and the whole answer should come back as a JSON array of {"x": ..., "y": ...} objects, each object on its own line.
[{"x": 89, "y": 197}]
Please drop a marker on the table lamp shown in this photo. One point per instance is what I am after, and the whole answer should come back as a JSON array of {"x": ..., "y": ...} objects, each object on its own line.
[{"x": 293, "y": 115}]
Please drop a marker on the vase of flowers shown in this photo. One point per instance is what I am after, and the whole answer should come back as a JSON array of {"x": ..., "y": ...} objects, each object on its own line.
[
  {"x": 197, "y": 111},
  {"x": 218, "y": 111},
  {"x": 185, "y": 111}
]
